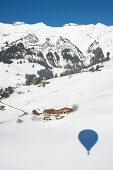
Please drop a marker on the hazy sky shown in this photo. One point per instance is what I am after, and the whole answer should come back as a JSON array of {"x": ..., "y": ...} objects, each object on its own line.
[{"x": 57, "y": 12}]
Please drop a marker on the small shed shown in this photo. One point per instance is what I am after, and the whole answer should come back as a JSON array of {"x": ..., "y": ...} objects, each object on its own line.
[{"x": 35, "y": 113}]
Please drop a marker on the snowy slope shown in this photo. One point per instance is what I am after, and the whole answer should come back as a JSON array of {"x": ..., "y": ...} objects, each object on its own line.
[
  {"x": 54, "y": 144},
  {"x": 14, "y": 74}
]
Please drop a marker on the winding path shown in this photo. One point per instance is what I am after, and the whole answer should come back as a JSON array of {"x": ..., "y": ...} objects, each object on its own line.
[{"x": 24, "y": 112}]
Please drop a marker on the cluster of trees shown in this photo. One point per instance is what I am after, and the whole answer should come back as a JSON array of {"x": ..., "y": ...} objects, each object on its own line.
[
  {"x": 53, "y": 60},
  {"x": 69, "y": 72},
  {"x": 97, "y": 68},
  {"x": 98, "y": 55},
  {"x": 20, "y": 62},
  {"x": 72, "y": 60},
  {"x": 13, "y": 52},
  {"x": 45, "y": 74},
  {"x": 6, "y": 92},
  {"x": 32, "y": 79},
  {"x": 39, "y": 58}
]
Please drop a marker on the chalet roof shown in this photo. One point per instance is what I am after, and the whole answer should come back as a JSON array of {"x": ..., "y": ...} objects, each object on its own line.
[
  {"x": 65, "y": 108},
  {"x": 50, "y": 111}
]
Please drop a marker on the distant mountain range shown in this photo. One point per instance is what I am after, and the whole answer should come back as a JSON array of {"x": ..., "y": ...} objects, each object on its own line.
[{"x": 71, "y": 47}]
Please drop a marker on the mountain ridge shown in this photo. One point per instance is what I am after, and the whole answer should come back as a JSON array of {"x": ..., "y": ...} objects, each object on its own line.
[{"x": 71, "y": 47}]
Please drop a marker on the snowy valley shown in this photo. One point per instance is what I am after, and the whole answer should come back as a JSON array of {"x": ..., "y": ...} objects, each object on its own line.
[{"x": 33, "y": 143}]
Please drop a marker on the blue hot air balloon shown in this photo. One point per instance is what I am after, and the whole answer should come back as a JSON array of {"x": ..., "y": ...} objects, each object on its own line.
[{"x": 88, "y": 138}]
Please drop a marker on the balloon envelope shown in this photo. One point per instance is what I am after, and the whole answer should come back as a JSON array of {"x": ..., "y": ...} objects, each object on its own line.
[{"x": 88, "y": 138}]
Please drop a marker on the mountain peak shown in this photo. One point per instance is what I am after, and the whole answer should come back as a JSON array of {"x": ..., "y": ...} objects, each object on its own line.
[
  {"x": 71, "y": 24},
  {"x": 40, "y": 24},
  {"x": 15, "y": 23},
  {"x": 101, "y": 25}
]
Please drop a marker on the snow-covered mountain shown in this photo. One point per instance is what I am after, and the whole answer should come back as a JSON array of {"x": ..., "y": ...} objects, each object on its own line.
[{"x": 69, "y": 47}]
